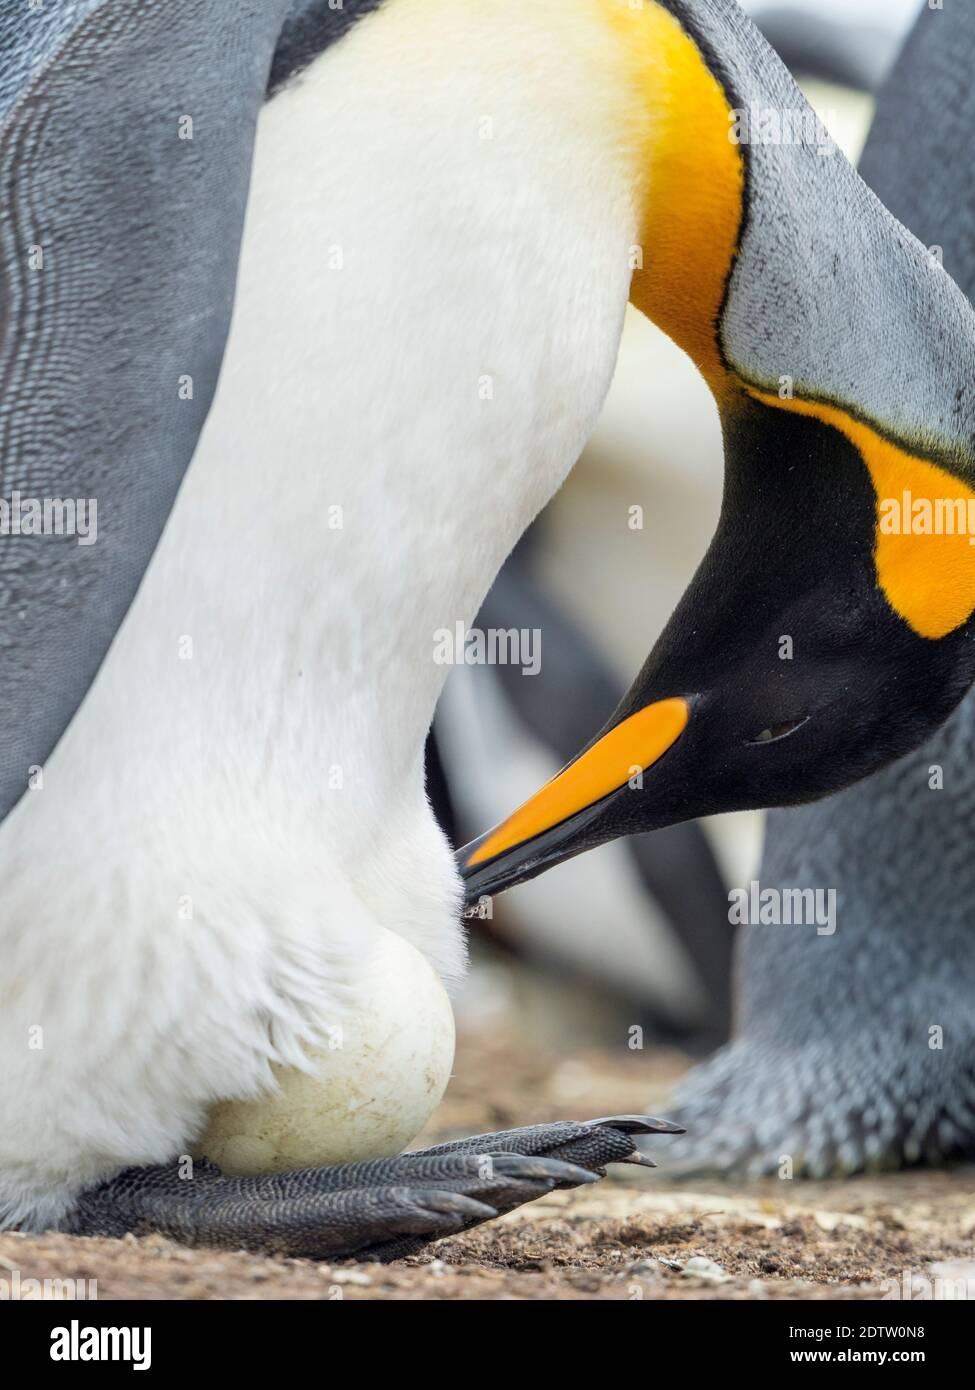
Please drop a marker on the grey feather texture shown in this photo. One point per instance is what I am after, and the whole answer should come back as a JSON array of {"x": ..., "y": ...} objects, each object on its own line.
[
  {"x": 118, "y": 250},
  {"x": 857, "y": 1050},
  {"x": 819, "y": 258}
]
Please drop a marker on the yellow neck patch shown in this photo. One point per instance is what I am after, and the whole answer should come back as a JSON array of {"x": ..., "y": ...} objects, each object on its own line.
[
  {"x": 693, "y": 183},
  {"x": 927, "y": 577},
  {"x": 692, "y": 188}
]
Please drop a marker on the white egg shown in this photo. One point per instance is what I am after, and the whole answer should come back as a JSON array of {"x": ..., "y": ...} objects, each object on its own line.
[{"x": 369, "y": 1092}]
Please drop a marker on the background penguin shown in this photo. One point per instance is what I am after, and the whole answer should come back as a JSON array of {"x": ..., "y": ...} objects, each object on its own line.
[
  {"x": 208, "y": 780},
  {"x": 853, "y": 43},
  {"x": 857, "y": 1050}
]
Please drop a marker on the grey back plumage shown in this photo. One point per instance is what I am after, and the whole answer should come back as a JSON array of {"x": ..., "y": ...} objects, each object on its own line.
[
  {"x": 119, "y": 229},
  {"x": 818, "y": 259},
  {"x": 900, "y": 846}
]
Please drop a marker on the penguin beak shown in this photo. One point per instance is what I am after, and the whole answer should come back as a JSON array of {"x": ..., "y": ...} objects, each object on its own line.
[{"x": 560, "y": 820}]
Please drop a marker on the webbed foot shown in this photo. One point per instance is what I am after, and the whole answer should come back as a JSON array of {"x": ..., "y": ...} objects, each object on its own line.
[{"x": 381, "y": 1209}]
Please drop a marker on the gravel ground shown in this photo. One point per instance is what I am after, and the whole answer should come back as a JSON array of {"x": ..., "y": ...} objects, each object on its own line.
[{"x": 645, "y": 1237}]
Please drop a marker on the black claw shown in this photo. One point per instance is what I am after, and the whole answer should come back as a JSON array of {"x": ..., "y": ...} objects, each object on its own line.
[
  {"x": 451, "y": 1204},
  {"x": 641, "y": 1159},
  {"x": 555, "y": 1169},
  {"x": 638, "y": 1124}
]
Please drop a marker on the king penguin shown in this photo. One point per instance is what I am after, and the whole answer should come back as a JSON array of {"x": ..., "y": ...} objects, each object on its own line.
[
  {"x": 856, "y": 1050},
  {"x": 825, "y": 634},
  {"x": 200, "y": 875},
  {"x": 840, "y": 1061},
  {"x": 215, "y": 715}
]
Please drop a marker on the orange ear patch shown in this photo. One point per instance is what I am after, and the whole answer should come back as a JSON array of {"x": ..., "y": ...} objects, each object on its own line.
[{"x": 925, "y": 537}]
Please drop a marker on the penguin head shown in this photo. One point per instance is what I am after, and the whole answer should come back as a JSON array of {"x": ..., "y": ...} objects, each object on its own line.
[
  {"x": 828, "y": 629},
  {"x": 822, "y": 637}
]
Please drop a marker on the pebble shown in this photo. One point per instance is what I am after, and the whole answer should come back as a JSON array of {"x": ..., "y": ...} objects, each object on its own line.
[{"x": 700, "y": 1267}]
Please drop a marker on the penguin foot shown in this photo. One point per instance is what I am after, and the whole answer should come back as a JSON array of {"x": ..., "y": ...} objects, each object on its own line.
[
  {"x": 379, "y": 1210},
  {"x": 820, "y": 1112},
  {"x": 587, "y": 1147}
]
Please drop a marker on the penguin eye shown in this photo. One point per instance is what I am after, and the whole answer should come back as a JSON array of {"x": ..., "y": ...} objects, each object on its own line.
[{"x": 779, "y": 731}]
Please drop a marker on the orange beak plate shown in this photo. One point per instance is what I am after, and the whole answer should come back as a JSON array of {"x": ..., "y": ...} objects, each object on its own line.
[{"x": 628, "y": 749}]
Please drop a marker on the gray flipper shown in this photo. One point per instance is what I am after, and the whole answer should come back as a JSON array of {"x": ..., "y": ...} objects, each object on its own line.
[
  {"x": 857, "y": 1050},
  {"x": 118, "y": 252}
]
